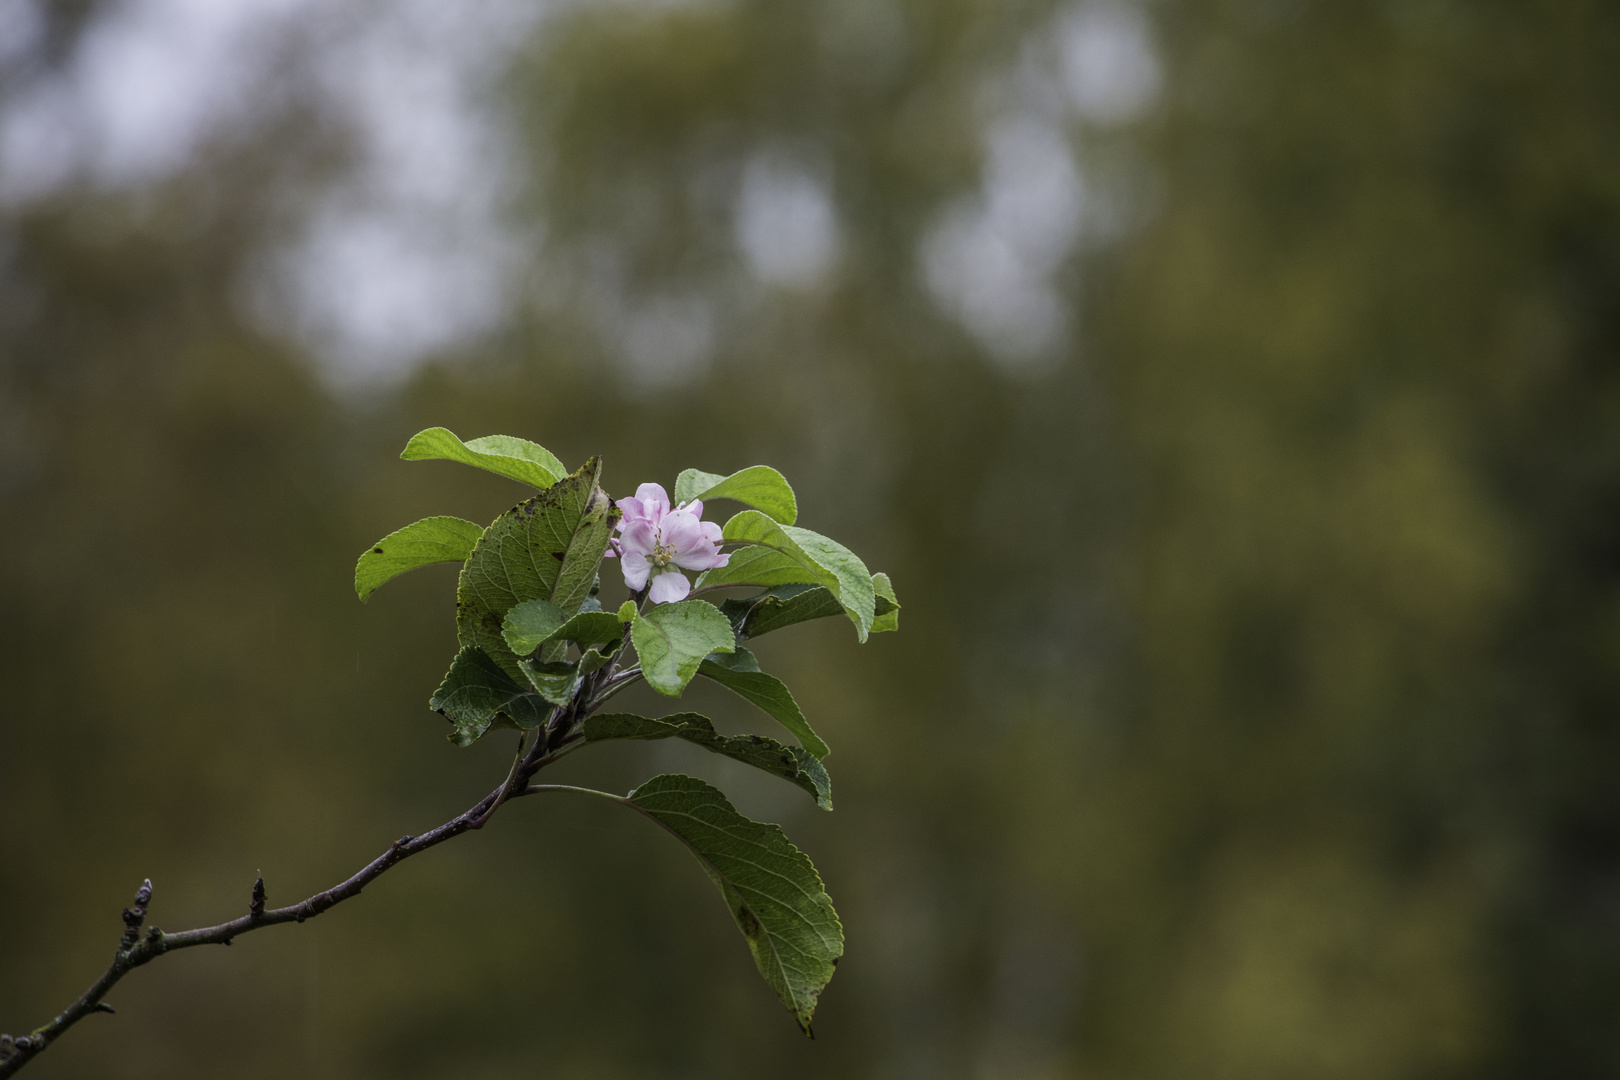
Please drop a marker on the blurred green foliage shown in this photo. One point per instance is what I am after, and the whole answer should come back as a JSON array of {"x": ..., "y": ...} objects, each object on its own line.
[{"x": 1255, "y": 714}]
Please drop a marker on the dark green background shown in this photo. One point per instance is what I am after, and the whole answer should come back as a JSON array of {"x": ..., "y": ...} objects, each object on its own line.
[{"x": 1253, "y": 713}]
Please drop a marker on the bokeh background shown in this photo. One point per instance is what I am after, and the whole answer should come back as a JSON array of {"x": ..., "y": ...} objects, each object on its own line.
[{"x": 1230, "y": 387}]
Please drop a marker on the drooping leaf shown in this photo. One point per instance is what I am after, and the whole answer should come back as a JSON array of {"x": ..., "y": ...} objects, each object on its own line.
[
  {"x": 528, "y": 624},
  {"x": 759, "y": 486},
  {"x": 505, "y": 455},
  {"x": 787, "y": 555},
  {"x": 431, "y": 540},
  {"x": 740, "y": 674},
  {"x": 554, "y": 681},
  {"x": 779, "y": 606},
  {"x": 791, "y": 763},
  {"x": 546, "y": 548},
  {"x": 671, "y": 640},
  {"x": 475, "y": 691},
  {"x": 785, "y": 605},
  {"x": 887, "y": 610},
  {"x": 771, "y": 888}
]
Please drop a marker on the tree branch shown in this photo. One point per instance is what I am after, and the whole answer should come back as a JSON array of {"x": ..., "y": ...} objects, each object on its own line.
[
  {"x": 558, "y": 736},
  {"x": 137, "y": 948}
]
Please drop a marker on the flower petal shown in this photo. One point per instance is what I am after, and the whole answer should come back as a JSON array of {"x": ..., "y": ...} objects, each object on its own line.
[
  {"x": 669, "y": 587},
  {"x": 695, "y": 507},
  {"x": 636, "y": 568},
  {"x": 654, "y": 500},
  {"x": 703, "y": 559},
  {"x": 639, "y": 539},
  {"x": 633, "y": 508},
  {"x": 682, "y": 531}
]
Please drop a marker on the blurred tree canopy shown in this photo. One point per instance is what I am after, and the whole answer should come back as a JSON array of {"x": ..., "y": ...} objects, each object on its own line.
[{"x": 1255, "y": 714}]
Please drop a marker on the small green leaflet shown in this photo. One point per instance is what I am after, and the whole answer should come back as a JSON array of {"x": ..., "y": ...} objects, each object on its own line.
[
  {"x": 514, "y": 458},
  {"x": 785, "y": 605},
  {"x": 740, "y": 674},
  {"x": 554, "y": 681},
  {"x": 786, "y": 555},
  {"x": 791, "y": 763},
  {"x": 770, "y": 886},
  {"x": 591, "y": 628},
  {"x": 528, "y": 624},
  {"x": 887, "y": 609},
  {"x": 431, "y": 540},
  {"x": 671, "y": 640},
  {"x": 759, "y": 486},
  {"x": 475, "y": 691},
  {"x": 594, "y": 658},
  {"x": 535, "y": 623},
  {"x": 547, "y": 548}
]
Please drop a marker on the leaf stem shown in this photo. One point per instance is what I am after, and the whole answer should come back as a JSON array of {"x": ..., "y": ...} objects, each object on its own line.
[
  {"x": 542, "y": 789},
  {"x": 613, "y": 686},
  {"x": 723, "y": 585}
]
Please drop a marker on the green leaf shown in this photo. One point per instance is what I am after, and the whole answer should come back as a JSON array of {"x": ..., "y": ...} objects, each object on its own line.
[
  {"x": 528, "y": 624},
  {"x": 591, "y": 628},
  {"x": 514, "y": 458},
  {"x": 431, "y": 540},
  {"x": 786, "y": 555},
  {"x": 627, "y": 611},
  {"x": 759, "y": 486},
  {"x": 546, "y": 548},
  {"x": 592, "y": 659},
  {"x": 887, "y": 609},
  {"x": 534, "y": 623},
  {"x": 791, "y": 763},
  {"x": 770, "y": 886},
  {"x": 554, "y": 681},
  {"x": 782, "y": 605},
  {"x": 476, "y": 691},
  {"x": 785, "y": 605},
  {"x": 740, "y": 674},
  {"x": 671, "y": 640}
]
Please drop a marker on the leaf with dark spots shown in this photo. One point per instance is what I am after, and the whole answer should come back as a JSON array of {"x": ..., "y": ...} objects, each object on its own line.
[
  {"x": 431, "y": 540},
  {"x": 504, "y": 455},
  {"x": 476, "y": 693},
  {"x": 770, "y": 887},
  {"x": 513, "y": 561}
]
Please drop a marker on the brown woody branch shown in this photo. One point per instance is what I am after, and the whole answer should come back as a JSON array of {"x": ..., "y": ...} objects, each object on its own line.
[{"x": 136, "y": 948}]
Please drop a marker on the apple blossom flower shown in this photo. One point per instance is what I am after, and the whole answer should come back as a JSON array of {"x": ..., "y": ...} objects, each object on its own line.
[{"x": 657, "y": 541}]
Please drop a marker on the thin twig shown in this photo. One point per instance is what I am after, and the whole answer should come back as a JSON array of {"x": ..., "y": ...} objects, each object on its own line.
[
  {"x": 511, "y": 778},
  {"x": 614, "y": 685},
  {"x": 136, "y": 948}
]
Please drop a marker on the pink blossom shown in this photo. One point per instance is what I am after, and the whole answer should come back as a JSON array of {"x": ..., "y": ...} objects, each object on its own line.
[
  {"x": 657, "y": 542},
  {"x": 650, "y": 504}
]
